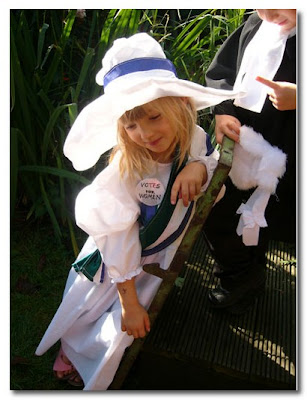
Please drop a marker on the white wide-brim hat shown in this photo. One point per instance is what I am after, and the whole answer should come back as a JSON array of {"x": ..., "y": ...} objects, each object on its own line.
[{"x": 135, "y": 71}]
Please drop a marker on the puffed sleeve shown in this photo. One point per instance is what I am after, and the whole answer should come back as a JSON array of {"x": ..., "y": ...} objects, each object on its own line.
[
  {"x": 107, "y": 210},
  {"x": 203, "y": 151}
]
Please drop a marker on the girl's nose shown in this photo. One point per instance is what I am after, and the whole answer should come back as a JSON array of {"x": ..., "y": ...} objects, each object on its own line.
[{"x": 146, "y": 133}]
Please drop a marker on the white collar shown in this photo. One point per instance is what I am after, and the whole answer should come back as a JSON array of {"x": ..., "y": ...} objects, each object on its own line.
[{"x": 262, "y": 57}]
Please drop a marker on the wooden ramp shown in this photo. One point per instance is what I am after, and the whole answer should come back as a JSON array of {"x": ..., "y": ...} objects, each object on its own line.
[{"x": 192, "y": 346}]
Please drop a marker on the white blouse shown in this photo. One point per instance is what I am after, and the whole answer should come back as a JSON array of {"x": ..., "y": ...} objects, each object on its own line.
[{"x": 108, "y": 210}]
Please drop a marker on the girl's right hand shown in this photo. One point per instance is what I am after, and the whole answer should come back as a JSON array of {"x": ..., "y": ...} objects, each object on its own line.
[
  {"x": 188, "y": 183},
  {"x": 227, "y": 125}
]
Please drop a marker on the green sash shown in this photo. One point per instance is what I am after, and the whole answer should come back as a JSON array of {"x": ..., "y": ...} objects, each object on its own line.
[
  {"x": 155, "y": 227},
  {"x": 90, "y": 264}
]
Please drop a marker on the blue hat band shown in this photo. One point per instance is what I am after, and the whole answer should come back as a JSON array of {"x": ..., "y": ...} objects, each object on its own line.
[{"x": 138, "y": 65}]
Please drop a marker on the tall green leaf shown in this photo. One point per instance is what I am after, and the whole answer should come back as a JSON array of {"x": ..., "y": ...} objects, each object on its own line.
[
  {"x": 14, "y": 167},
  {"x": 60, "y": 48},
  {"x": 84, "y": 70},
  {"x": 63, "y": 173},
  {"x": 49, "y": 129},
  {"x": 40, "y": 44},
  {"x": 20, "y": 86},
  {"x": 49, "y": 208}
]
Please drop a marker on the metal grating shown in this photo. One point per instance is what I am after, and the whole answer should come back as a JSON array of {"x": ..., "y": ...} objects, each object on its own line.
[{"x": 259, "y": 346}]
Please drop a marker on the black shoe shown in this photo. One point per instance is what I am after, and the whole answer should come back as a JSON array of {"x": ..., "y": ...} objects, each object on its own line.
[
  {"x": 220, "y": 297},
  {"x": 236, "y": 301}
]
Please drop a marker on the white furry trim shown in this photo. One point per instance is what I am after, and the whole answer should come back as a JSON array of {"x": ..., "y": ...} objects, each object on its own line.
[{"x": 256, "y": 162}]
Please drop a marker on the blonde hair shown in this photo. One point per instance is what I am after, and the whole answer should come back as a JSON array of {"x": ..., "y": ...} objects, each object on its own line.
[{"x": 181, "y": 114}]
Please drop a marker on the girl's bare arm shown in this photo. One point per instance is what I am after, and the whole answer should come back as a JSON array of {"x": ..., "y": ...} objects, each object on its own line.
[{"x": 135, "y": 320}]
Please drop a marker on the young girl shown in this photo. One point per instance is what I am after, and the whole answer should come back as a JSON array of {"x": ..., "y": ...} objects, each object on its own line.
[{"x": 135, "y": 211}]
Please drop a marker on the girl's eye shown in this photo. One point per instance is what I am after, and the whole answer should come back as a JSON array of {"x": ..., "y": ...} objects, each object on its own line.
[
  {"x": 155, "y": 116},
  {"x": 130, "y": 126}
]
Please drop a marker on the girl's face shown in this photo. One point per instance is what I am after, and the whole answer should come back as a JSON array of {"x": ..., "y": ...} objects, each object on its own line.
[
  {"x": 286, "y": 19},
  {"x": 153, "y": 132}
]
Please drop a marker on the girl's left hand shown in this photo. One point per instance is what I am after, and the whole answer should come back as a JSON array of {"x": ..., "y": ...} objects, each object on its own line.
[
  {"x": 135, "y": 321},
  {"x": 189, "y": 182}
]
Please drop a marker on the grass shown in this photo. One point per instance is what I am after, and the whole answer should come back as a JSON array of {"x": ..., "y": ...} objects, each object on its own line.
[{"x": 39, "y": 268}]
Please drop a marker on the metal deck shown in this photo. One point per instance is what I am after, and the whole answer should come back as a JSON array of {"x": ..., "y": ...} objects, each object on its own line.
[{"x": 193, "y": 346}]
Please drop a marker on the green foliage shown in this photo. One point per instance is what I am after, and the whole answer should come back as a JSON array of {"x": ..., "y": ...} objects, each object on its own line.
[{"x": 55, "y": 56}]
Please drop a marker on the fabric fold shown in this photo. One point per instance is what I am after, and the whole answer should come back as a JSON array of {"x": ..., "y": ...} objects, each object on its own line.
[{"x": 252, "y": 217}]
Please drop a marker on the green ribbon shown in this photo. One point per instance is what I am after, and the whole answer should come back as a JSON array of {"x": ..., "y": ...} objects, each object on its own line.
[{"x": 90, "y": 264}]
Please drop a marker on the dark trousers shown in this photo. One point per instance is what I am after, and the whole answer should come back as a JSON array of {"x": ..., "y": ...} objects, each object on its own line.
[{"x": 237, "y": 264}]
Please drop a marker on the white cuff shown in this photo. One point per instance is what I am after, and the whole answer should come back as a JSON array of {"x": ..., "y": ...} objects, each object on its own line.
[
  {"x": 127, "y": 277},
  {"x": 252, "y": 217}
]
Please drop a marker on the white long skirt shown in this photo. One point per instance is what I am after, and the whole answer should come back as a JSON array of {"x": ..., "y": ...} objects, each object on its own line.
[{"x": 88, "y": 321}]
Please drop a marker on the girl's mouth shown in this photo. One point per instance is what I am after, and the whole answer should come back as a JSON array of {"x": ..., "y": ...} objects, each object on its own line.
[{"x": 153, "y": 143}]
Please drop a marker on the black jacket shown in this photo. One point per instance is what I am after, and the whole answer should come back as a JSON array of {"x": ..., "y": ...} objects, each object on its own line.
[{"x": 277, "y": 127}]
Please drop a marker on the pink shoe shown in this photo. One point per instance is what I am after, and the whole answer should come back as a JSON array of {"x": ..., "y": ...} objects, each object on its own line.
[{"x": 60, "y": 365}]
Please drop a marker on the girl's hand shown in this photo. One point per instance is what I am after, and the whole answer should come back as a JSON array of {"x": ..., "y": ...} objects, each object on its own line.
[
  {"x": 282, "y": 95},
  {"x": 188, "y": 183},
  {"x": 135, "y": 321},
  {"x": 227, "y": 125}
]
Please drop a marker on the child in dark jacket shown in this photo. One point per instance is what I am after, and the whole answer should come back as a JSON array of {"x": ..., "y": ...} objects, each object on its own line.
[{"x": 260, "y": 58}]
